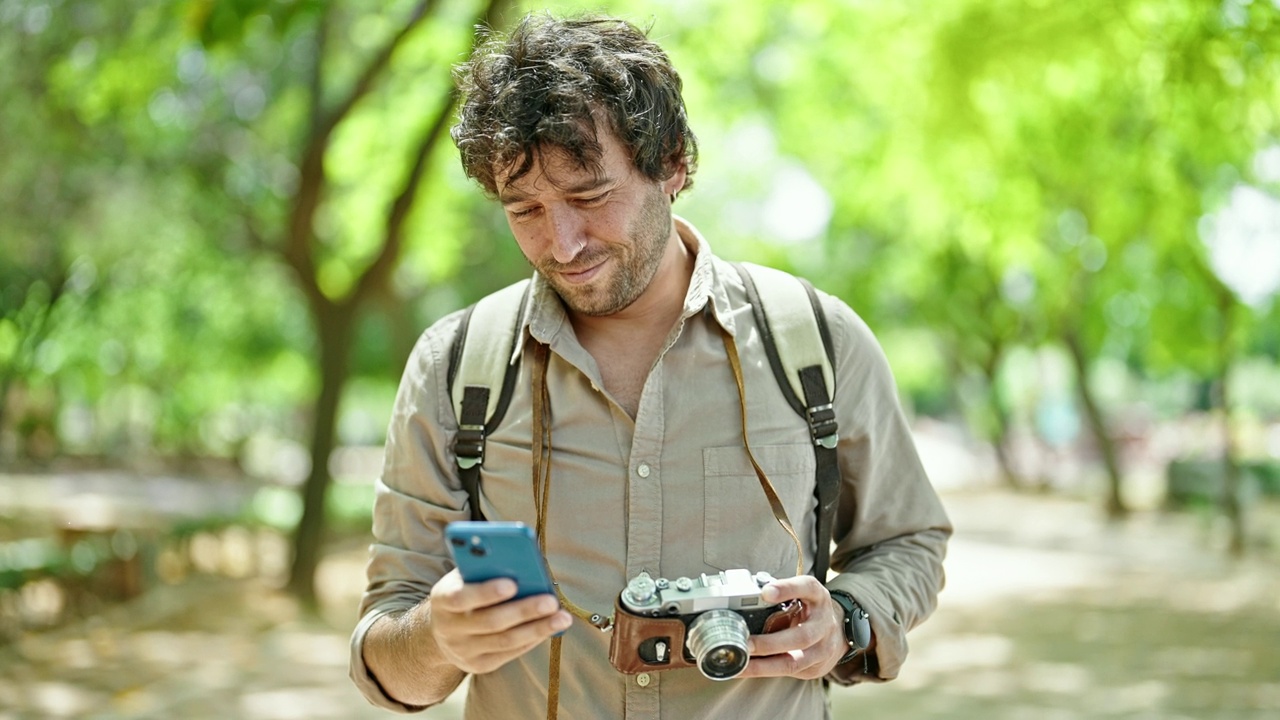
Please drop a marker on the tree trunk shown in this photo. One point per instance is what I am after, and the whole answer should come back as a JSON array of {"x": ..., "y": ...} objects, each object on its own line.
[
  {"x": 1000, "y": 415},
  {"x": 7, "y": 379},
  {"x": 335, "y": 329},
  {"x": 402, "y": 330},
  {"x": 1001, "y": 444},
  {"x": 998, "y": 435},
  {"x": 1231, "y": 505},
  {"x": 1115, "y": 506},
  {"x": 27, "y": 345}
]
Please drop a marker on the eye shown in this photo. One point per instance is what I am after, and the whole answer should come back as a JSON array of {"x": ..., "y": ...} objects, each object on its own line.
[
  {"x": 523, "y": 213},
  {"x": 593, "y": 201}
]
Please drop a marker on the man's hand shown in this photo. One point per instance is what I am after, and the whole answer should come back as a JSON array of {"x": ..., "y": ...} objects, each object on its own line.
[
  {"x": 478, "y": 631},
  {"x": 808, "y": 650}
]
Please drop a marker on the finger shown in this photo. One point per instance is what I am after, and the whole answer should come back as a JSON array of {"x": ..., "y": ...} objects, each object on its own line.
[
  {"x": 515, "y": 640},
  {"x": 797, "y": 663},
  {"x": 483, "y": 653},
  {"x": 802, "y": 587},
  {"x": 453, "y": 595},
  {"x": 482, "y": 630},
  {"x": 801, "y": 636},
  {"x": 510, "y": 615},
  {"x": 510, "y": 646}
]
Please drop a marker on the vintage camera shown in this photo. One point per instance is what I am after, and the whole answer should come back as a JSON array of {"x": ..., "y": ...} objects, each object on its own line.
[{"x": 661, "y": 624}]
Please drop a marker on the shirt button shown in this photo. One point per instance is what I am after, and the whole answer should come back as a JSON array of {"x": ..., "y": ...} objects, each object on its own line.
[
  {"x": 643, "y": 470},
  {"x": 642, "y": 679}
]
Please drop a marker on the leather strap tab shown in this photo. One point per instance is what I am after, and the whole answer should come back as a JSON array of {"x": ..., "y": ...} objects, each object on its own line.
[{"x": 788, "y": 616}]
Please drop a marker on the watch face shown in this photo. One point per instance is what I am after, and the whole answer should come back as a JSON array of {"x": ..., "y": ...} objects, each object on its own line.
[{"x": 857, "y": 628}]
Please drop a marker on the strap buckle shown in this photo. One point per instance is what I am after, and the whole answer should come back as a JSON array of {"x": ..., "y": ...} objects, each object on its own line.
[
  {"x": 822, "y": 425},
  {"x": 469, "y": 446}
]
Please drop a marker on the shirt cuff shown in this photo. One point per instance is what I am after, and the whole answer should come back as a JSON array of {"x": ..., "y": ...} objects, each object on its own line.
[
  {"x": 360, "y": 675},
  {"x": 890, "y": 650}
]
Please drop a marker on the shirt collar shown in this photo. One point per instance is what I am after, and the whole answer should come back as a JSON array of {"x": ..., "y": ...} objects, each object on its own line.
[
  {"x": 706, "y": 286},
  {"x": 544, "y": 315}
]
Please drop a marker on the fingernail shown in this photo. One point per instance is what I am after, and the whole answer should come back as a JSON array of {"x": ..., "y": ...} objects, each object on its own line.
[
  {"x": 548, "y": 605},
  {"x": 769, "y": 594},
  {"x": 561, "y": 621}
]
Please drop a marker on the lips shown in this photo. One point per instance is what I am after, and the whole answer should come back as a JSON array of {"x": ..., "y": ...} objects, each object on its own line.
[
  {"x": 584, "y": 270},
  {"x": 581, "y": 276}
]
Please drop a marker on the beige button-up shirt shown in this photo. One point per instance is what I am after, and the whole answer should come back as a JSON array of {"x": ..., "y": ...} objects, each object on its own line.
[{"x": 672, "y": 493}]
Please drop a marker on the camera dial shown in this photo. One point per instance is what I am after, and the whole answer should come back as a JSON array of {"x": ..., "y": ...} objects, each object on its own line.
[{"x": 641, "y": 591}]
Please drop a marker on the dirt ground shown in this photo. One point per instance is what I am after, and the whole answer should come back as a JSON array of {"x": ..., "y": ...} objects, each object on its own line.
[{"x": 1049, "y": 613}]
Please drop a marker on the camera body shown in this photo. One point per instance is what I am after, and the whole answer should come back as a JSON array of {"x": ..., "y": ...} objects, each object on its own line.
[{"x": 703, "y": 622}]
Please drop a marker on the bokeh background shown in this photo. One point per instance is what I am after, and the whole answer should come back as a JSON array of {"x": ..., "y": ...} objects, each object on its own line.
[{"x": 224, "y": 223}]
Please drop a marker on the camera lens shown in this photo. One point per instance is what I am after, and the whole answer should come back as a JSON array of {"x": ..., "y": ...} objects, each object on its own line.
[{"x": 717, "y": 640}]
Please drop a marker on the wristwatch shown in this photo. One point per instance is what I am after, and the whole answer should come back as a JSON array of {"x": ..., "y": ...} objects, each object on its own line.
[{"x": 857, "y": 624}]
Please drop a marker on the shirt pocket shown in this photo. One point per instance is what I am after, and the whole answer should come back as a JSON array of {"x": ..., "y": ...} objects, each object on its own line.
[{"x": 740, "y": 530}]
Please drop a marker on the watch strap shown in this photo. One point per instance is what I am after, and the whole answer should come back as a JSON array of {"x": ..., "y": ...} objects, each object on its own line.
[{"x": 857, "y": 624}]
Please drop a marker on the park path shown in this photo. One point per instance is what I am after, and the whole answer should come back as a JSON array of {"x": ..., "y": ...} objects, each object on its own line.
[{"x": 1049, "y": 613}]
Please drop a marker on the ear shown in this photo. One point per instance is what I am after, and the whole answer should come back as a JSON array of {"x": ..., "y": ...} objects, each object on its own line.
[{"x": 672, "y": 185}]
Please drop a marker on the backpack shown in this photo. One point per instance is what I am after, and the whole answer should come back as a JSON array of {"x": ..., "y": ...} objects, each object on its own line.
[{"x": 796, "y": 339}]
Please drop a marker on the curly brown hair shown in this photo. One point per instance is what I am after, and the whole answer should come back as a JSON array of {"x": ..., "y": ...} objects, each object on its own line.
[{"x": 548, "y": 82}]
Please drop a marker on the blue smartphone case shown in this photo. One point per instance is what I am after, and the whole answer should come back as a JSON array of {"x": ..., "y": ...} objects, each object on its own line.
[{"x": 487, "y": 550}]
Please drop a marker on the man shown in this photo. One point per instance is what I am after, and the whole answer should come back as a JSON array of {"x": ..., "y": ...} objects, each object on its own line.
[{"x": 578, "y": 129}]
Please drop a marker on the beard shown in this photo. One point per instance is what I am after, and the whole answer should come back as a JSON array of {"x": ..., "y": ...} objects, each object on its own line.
[{"x": 634, "y": 264}]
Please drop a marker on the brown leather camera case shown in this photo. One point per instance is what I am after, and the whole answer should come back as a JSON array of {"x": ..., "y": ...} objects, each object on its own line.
[{"x": 629, "y": 630}]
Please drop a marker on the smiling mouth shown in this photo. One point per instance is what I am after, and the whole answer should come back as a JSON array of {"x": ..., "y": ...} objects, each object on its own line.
[{"x": 577, "y": 277}]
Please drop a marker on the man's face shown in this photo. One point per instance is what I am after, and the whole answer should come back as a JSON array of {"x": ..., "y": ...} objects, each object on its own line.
[{"x": 597, "y": 236}]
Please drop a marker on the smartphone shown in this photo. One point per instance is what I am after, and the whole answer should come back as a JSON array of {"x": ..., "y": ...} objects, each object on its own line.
[{"x": 487, "y": 550}]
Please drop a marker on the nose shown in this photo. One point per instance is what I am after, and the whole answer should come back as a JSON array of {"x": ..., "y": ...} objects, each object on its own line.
[{"x": 568, "y": 234}]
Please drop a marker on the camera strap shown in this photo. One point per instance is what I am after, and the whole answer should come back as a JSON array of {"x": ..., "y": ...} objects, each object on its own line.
[
  {"x": 541, "y": 471},
  {"x": 775, "y": 503},
  {"x": 541, "y": 496}
]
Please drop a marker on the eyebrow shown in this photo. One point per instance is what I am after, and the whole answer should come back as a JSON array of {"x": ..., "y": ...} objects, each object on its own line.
[{"x": 510, "y": 195}]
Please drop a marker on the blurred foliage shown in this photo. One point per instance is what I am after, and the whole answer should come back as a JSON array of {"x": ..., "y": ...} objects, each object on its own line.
[{"x": 979, "y": 180}]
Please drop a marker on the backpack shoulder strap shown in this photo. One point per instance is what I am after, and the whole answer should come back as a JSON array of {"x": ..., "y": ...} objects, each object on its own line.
[
  {"x": 798, "y": 344},
  {"x": 481, "y": 360}
]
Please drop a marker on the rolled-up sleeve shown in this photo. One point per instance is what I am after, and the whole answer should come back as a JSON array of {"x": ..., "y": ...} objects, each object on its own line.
[
  {"x": 417, "y": 495},
  {"x": 890, "y": 530}
]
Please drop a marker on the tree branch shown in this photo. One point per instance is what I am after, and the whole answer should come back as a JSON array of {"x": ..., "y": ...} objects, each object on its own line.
[
  {"x": 297, "y": 250},
  {"x": 315, "y": 78},
  {"x": 380, "y": 269},
  {"x": 377, "y": 64}
]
